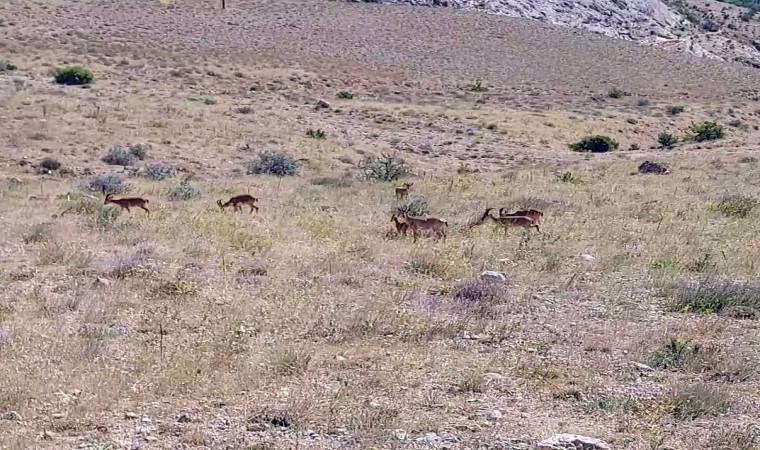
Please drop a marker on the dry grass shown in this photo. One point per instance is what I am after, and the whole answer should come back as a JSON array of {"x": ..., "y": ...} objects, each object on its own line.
[{"x": 308, "y": 321}]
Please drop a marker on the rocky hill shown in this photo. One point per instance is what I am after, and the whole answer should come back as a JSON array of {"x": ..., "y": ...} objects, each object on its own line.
[{"x": 708, "y": 29}]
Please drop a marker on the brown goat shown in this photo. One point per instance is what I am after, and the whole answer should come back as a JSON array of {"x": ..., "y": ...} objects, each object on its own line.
[
  {"x": 509, "y": 221},
  {"x": 125, "y": 203},
  {"x": 401, "y": 227},
  {"x": 238, "y": 200},
  {"x": 420, "y": 224},
  {"x": 533, "y": 213},
  {"x": 403, "y": 191}
]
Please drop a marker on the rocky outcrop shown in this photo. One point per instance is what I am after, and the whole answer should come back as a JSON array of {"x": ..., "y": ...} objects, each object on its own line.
[{"x": 650, "y": 22}]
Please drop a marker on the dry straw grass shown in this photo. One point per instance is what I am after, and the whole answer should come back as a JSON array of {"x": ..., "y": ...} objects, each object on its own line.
[{"x": 309, "y": 322}]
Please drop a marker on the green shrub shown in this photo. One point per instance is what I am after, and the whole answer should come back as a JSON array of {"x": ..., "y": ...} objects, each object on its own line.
[
  {"x": 595, "y": 144},
  {"x": 140, "y": 151},
  {"x": 676, "y": 354},
  {"x": 712, "y": 295},
  {"x": 618, "y": 93},
  {"x": 159, "y": 171},
  {"x": 112, "y": 184},
  {"x": 345, "y": 95},
  {"x": 384, "y": 167},
  {"x": 6, "y": 66},
  {"x": 735, "y": 205},
  {"x": 416, "y": 207},
  {"x": 119, "y": 156},
  {"x": 667, "y": 140},
  {"x": 183, "y": 191},
  {"x": 567, "y": 177},
  {"x": 707, "y": 131},
  {"x": 675, "y": 110},
  {"x": 316, "y": 134},
  {"x": 50, "y": 164},
  {"x": 273, "y": 162},
  {"x": 73, "y": 76},
  {"x": 643, "y": 102},
  {"x": 693, "y": 402}
]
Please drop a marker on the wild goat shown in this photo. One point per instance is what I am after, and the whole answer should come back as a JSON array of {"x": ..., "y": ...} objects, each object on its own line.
[
  {"x": 125, "y": 203},
  {"x": 401, "y": 227},
  {"x": 238, "y": 200},
  {"x": 533, "y": 213},
  {"x": 403, "y": 191},
  {"x": 509, "y": 221},
  {"x": 420, "y": 224}
]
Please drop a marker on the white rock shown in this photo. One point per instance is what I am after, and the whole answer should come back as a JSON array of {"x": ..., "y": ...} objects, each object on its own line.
[
  {"x": 493, "y": 275},
  {"x": 572, "y": 441},
  {"x": 587, "y": 257}
]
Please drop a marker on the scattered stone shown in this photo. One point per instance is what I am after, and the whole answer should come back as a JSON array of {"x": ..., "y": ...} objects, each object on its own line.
[
  {"x": 57, "y": 416},
  {"x": 643, "y": 367},
  {"x": 12, "y": 416},
  {"x": 5, "y": 337},
  {"x": 400, "y": 434},
  {"x": 151, "y": 438},
  {"x": 129, "y": 415},
  {"x": 102, "y": 282},
  {"x": 493, "y": 275},
  {"x": 184, "y": 418},
  {"x": 653, "y": 167},
  {"x": 572, "y": 442}
]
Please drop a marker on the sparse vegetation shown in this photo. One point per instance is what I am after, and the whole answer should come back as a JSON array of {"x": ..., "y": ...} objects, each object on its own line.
[
  {"x": 618, "y": 93},
  {"x": 696, "y": 401},
  {"x": 316, "y": 134},
  {"x": 6, "y": 66},
  {"x": 73, "y": 76},
  {"x": 111, "y": 183},
  {"x": 675, "y": 110},
  {"x": 595, "y": 144},
  {"x": 667, "y": 140},
  {"x": 345, "y": 95},
  {"x": 119, "y": 156},
  {"x": 159, "y": 171},
  {"x": 712, "y": 295},
  {"x": 707, "y": 131},
  {"x": 184, "y": 190},
  {"x": 735, "y": 205},
  {"x": 385, "y": 167},
  {"x": 273, "y": 162},
  {"x": 50, "y": 164}
]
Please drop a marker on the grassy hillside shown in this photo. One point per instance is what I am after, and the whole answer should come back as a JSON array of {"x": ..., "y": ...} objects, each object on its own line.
[{"x": 630, "y": 317}]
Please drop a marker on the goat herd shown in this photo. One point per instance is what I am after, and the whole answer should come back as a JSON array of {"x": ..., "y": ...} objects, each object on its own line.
[{"x": 527, "y": 218}]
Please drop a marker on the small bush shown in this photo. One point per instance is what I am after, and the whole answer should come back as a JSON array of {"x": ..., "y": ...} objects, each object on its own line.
[
  {"x": 426, "y": 266},
  {"x": 334, "y": 182},
  {"x": 112, "y": 184},
  {"x": 50, "y": 164},
  {"x": 693, "y": 402},
  {"x": 643, "y": 102},
  {"x": 209, "y": 101},
  {"x": 345, "y": 95},
  {"x": 125, "y": 265},
  {"x": 119, "y": 156},
  {"x": 384, "y": 168},
  {"x": 711, "y": 26},
  {"x": 40, "y": 232},
  {"x": 316, "y": 134},
  {"x": 73, "y": 76},
  {"x": 5, "y": 66},
  {"x": 667, "y": 140},
  {"x": 567, "y": 177},
  {"x": 183, "y": 191},
  {"x": 676, "y": 354},
  {"x": 139, "y": 151},
  {"x": 159, "y": 171},
  {"x": 273, "y": 162},
  {"x": 416, "y": 207},
  {"x": 618, "y": 93},
  {"x": 734, "y": 438},
  {"x": 712, "y": 295},
  {"x": 735, "y": 205},
  {"x": 675, "y": 110},
  {"x": 595, "y": 144},
  {"x": 103, "y": 219},
  {"x": 707, "y": 131}
]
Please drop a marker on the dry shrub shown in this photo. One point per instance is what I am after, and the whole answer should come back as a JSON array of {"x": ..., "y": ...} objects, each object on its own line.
[
  {"x": 689, "y": 402},
  {"x": 480, "y": 296},
  {"x": 713, "y": 295},
  {"x": 126, "y": 265}
]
